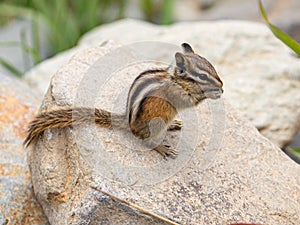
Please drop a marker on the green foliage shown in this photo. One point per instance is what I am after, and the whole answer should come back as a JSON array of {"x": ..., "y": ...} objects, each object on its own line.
[
  {"x": 285, "y": 38},
  {"x": 66, "y": 20}
]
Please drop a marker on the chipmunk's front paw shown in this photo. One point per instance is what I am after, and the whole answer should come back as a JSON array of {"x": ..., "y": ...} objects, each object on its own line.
[
  {"x": 166, "y": 150},
  {"x": 176, "y": 125}
]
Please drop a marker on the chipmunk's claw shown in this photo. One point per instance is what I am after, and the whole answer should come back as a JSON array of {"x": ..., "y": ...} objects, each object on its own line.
[
  {"x": 166, "y": 151},
  {"x": 176, "y": 125}
]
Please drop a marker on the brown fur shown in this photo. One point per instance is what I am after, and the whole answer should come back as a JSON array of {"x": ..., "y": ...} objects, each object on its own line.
[
  {"x": 61, "y": 118},
  {"x": 158, "y": 107},
  {"x": 153, "y": 107}
]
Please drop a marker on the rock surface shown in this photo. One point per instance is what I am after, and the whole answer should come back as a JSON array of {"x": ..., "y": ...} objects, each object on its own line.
[
  {"x": 225, "y": 172},
  {"x": 17, "y": 202},
  {"x": 261, "y": 76}
]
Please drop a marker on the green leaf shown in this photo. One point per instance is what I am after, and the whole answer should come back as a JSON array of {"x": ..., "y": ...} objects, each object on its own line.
[
  {"x": 284, "y": 37},
  {"x": 294, "y": 151},
  {"x": 35, "y": 35},
  {"x": 10, "y": 68}
]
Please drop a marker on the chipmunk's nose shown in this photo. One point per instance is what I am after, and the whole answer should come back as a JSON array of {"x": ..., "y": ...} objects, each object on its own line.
[
  {"x": 219, "y": 81},
  {"x": 220, "y": 84}
]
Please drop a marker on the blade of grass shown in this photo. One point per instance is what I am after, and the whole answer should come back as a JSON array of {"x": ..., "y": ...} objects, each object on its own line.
[
  {"x": 65, "y": 18},
  {"x": 25, "y": 54},
  {"x": 122, "y": 6},
  {"x": 10, "y": 68},
  {"x": 7, "y": 10},
  {"x": 28, "y": 49},
  {"x": 148, "y": 9},
  {"x": 43, "y": 7},
  {"x": 284, "y": 37},
  {"x": 9, "y": 43},
  {"x": 167, "y": 12},
  {"x": 87, "y": 14},
  {"x": 35, "y": 35},
  {"x": 103, "y": 9}
]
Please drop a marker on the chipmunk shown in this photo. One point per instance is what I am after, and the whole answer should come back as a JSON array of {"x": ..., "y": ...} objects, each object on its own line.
[{"x": 153, "y": 101}]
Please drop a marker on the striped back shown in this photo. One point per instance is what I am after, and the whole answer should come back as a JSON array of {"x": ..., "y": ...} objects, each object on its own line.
[{"x": 143, "y": 86}]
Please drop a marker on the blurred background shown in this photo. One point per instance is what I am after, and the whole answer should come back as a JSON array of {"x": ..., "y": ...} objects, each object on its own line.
[{"x": 34, "y": 30}]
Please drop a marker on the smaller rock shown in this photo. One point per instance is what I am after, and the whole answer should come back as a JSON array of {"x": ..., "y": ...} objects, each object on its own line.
[
  {"x": 3, "y": 220},
  {"x": 18, "y": 104}
]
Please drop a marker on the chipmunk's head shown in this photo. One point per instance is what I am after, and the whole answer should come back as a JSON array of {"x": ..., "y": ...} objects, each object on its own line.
[{"x": 197, "y": 75}]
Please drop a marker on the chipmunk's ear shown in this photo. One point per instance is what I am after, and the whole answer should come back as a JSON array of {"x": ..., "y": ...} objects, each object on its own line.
[
  {"x": 181, "y": 62},
  {"x": 187, "y": 48}
]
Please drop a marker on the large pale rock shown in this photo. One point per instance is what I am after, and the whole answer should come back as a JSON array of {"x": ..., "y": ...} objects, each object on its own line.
[
  {"x": 17, "y": 202},
  {"x": 226, "y": 171},
  {"x": 261, "y": 76}
]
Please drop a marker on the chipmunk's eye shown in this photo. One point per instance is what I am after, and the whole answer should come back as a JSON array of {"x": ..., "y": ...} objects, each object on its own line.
[
  {"x": 202, "y": 76},
  {"x": 180, "y": 71}
]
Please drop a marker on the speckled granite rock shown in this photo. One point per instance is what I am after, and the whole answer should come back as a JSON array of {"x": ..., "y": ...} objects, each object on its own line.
[
  {"x": 3, "y": 220},
  {"x": 261, "y": 76},
  {"x": 17, "y": 202},
  {"x": 226, "y": 171}
]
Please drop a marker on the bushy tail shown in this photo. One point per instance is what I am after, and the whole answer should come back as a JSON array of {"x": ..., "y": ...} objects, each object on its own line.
[{"x": 62, "y": 118}]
